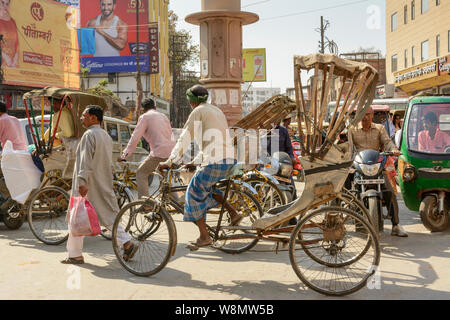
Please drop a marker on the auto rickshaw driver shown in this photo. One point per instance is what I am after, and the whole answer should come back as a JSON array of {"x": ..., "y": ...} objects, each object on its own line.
[{"x": 432, "y": 139}]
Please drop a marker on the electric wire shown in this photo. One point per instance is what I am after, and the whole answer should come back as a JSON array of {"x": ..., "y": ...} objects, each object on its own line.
[{"x": 315, "y": 10}]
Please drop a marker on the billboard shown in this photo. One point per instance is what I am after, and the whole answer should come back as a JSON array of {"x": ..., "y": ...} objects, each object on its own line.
[
  {"x": 254, "y": 65},
  {"x": 39, "y": 46},
  {"x": 114, "y": 33}
]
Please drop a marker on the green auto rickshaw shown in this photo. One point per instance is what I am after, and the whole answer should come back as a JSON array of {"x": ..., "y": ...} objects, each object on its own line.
[{"x": 424, "y": 166}]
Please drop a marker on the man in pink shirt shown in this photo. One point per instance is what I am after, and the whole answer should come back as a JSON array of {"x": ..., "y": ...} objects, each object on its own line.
[
  {"x": 432, "y": 139},
  {"x": 157, "y": 131},
  {"x": 11, "y": 130}
]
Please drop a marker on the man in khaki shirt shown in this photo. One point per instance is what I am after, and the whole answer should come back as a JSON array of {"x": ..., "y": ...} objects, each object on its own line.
[{"x": 369, "y": 135}]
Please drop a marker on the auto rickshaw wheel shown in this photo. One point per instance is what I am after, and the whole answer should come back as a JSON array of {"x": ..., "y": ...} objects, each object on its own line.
[{"x": 430, "y": 216}]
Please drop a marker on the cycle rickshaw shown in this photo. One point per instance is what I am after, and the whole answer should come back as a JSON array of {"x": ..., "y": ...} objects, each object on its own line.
[
  {"x": 46, "y": 207},
  {"x": 332, "y": 249}
]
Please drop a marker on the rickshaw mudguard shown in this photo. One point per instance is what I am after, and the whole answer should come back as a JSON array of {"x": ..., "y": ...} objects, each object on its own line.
[{"x": 324, "y": 179}]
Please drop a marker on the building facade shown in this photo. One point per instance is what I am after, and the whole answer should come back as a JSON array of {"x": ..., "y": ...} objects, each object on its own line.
[
  {"x": 253, "y": 97},
  {"x": 156, "y": 84},
  {"x": 418, "y": 45}
]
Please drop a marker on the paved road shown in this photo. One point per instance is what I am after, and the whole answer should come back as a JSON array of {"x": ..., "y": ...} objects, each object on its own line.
[{"x": 411, "y": 268}]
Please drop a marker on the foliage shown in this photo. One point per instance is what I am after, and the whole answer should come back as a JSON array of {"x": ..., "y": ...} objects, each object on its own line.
[
  {"x": 101, "y": 89},
  {"x": 182, "y": 52}
]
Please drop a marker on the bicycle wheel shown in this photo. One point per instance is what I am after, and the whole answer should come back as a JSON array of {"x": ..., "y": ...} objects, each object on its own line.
[
  {"x": 152, "y": 231},
  {"x": 269, "y": 195},
  {"x": 330, "y": 252},
  {"x": 240, "y": 240},
  {"x": 123, "y": 195},
  {"x": 47, "y": 212},
  {"x": 349, "y": 201}
]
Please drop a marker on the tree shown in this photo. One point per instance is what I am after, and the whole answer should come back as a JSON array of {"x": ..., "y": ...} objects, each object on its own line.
[
  {"x": 182, "y": 52},
  {"x": 115, "y": 106}
]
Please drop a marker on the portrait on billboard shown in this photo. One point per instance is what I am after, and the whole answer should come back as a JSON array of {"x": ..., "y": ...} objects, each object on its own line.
[
  {"x": 112, "y": 29},
  {"x": 111, "y": 33},
  {"x": 10, "y": 38}
]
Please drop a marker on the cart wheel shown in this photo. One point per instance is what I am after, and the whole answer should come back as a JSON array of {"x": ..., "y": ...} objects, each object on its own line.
[
  {"x": 152, "y": 232},
  {"x": 270, "y": 196},
  {"x": 13, "y": 217},
  {"x": 334, "y": 251},
  {"x": 47, "y": 212},
  {"x": 235, "y": 241}
]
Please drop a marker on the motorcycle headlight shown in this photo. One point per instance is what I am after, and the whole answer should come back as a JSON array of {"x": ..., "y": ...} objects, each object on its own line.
[{"x": 370, "y": 169}]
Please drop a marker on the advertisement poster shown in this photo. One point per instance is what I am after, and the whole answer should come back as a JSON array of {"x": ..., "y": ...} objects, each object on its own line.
[
  {"x": 114, "y": 33},
  {"x": 254, "y": 65},
  {"x": 39, "y": 45}
]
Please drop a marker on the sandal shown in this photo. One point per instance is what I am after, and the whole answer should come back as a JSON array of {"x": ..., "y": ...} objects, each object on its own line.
[
  {"x": 72, "y": 261},
  {"x": 130, "y": 252},
  {"x": 195, "y": 245}
]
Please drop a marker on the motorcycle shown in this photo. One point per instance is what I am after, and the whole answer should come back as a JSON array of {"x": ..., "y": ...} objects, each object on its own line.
[
  {"x": 281, "y": 168},
  {"x": 297, "y": 153},
  {"x": 367, "y": 183}
]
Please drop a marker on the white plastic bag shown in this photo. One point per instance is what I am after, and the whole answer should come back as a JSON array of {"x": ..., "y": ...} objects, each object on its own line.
[{"x": 21, "y": 174}]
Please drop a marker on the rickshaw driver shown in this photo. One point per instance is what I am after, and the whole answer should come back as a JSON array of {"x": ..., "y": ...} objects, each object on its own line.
[
  {"x": 369, "y": 135},
  {"x": 214, "y": 167},
  {"x": 65, "y": 135},
  {"x": 432, "y": 139}
]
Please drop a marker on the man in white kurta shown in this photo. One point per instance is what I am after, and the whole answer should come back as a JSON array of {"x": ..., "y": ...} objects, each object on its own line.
[{"x": 93, "y": 179}]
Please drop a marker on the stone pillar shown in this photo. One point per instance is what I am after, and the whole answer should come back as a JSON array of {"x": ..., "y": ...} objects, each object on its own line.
[{"x": 221, "y": 52}]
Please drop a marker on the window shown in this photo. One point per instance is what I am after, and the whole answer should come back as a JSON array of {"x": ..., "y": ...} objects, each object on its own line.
[
  {"x": 413, "y": 61},
  {"x": 394, "y": 21},
  {"x": 438, "y": 45},
  {"x": 394, "y": 63},
  {"x": 406, "y": 58},
  {"x": 424, "y": 6},
  {"x": 405, "y": 14},
  {"x": 111, "y": 128},
  {"x": 124, "y": 134},
  {"x": 438, "y": 2},
  {"x": 418, "y": 115},
  {"x": 413, "y": 10},
  {"x": 424, "y": 51}
]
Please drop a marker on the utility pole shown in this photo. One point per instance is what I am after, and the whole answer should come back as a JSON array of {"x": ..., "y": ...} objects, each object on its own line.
[
  {"x": 322, "y": 36},
  {"x": 138, "y": 72}
]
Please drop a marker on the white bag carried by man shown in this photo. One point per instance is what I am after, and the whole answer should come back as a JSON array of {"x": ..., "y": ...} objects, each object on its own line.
[{"x": 21, "y": 174}]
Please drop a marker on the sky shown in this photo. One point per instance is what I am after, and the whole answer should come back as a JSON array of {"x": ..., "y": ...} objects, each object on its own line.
[{"x": 288, "y": 27}]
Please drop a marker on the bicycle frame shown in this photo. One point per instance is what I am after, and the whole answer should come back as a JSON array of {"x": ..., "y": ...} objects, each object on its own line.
[{"x": 166, "y": 199}]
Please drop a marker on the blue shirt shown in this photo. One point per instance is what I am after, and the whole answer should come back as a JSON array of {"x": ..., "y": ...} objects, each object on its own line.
[{"x": 284, "y": 143}]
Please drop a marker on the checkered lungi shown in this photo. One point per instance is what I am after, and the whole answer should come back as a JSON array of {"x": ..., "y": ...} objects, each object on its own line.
[{"x": 200, "y": 190}]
